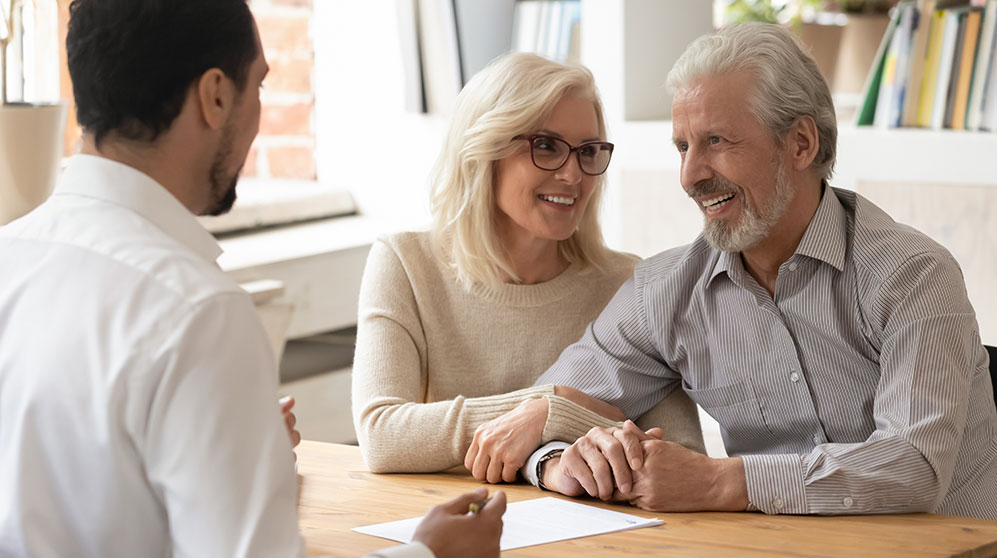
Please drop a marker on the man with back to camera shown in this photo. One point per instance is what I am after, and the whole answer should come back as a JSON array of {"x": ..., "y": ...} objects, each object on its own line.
[
  {"x": 836, "y": 348},
  {"x": 136, "y": 382}
]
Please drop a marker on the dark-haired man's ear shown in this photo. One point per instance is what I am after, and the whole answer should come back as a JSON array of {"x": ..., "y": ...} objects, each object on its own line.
[
  {"x": 216, "y": 97},
  {"x": 803, "y": 142}
]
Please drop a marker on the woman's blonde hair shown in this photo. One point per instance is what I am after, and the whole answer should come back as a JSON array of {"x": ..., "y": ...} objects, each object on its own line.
[{"x": 513, "y": 95}]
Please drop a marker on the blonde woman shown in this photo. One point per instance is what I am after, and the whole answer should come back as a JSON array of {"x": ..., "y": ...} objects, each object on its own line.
[{"x": 456, "y": 323}]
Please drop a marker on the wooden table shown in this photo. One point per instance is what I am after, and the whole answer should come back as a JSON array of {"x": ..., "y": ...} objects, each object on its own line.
[{"x": 337, "y": 493}]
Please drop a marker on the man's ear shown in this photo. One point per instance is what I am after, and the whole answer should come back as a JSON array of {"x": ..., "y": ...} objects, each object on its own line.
[
  {"x": 802, "y": 142},
  {"x": 216, "y": 96}
]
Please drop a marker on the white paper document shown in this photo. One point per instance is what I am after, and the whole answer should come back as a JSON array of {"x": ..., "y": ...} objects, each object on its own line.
[{"x": 532, "y": 522}]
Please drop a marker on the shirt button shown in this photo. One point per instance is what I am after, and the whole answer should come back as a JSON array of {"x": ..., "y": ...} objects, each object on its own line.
[
  {"x": 793, "y": 266},
  {"x": 795, "y": 376},
  {"x": 778, "y": 503},
  {"x": 848, "y": 502},
  {"x": 818, "y": 440}
]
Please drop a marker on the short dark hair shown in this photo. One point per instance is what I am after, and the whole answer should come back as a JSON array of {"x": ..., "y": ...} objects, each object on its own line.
[{"x": 133, "y": 61}]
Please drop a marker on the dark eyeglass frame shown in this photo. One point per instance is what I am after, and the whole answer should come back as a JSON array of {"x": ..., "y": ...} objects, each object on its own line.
[{"x": 571, "y": 149}]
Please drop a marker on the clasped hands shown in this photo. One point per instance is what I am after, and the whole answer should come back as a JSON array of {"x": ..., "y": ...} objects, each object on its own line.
[
  {"x": 618, "y": 463},
  {"x": 501, "y": 446},
  {"x": 635, "y": 466}
]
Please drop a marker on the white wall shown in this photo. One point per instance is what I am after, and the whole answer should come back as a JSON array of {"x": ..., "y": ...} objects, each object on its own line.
[{"x": 366, "y": 141}]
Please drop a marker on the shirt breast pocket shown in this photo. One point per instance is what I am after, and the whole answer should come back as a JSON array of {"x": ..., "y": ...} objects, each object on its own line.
[{"x": 740, "y": 415}]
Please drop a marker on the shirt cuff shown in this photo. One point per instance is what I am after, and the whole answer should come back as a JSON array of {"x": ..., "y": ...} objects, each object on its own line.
[
  {"x": 775, "y": 483},
  {"x": 411, "y": 550},
  {"x": 529, "y": 471}
]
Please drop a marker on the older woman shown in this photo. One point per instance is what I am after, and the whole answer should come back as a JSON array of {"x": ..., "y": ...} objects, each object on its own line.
[{"x": 456, "y": 323}]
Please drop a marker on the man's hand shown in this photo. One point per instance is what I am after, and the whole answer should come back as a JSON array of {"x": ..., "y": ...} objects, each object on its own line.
[
  {"x": 451, "y": 532},
  {"x": 677, "y": 479},
  {"x": 502, "y": 445},
  {"x": 286, "y": 404},
  {"x": 604, "y": 459}
]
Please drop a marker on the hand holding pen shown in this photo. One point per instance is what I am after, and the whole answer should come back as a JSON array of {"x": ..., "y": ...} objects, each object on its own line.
[{"x": 469, "y": 526}]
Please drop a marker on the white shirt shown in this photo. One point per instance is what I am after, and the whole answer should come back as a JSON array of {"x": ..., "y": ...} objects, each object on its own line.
[{"x": 138, "y": 410}]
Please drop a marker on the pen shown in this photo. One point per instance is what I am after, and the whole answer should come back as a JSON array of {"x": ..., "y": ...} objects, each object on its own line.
[{"x": 475, "y": 507}]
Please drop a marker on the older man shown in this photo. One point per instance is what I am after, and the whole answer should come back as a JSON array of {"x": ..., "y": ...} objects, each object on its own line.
[
  {"x": 836, "y": 348},
  {"x": 137, "y": 387}
]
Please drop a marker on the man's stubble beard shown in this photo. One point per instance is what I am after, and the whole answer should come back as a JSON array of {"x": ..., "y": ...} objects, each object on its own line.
[{"x": 223, "y": 185}]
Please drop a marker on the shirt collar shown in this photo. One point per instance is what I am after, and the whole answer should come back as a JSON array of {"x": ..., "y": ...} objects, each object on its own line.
[
  {"x": 102, "y": 179},
  {"x": 727, "y": 263},
  {"x": 825, "y": 239}
]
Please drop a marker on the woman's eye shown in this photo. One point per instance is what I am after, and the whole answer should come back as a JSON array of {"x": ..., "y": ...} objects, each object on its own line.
[
  {"x": 587, "y": 151},
  {"x": 544, "y": 143}
]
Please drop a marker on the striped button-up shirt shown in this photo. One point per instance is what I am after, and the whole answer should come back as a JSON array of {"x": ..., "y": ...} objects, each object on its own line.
[{"x": 861, "y": 386}]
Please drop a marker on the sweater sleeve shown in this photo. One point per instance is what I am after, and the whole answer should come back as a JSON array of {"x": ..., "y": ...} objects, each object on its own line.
[{"x": 397, "y": 430}]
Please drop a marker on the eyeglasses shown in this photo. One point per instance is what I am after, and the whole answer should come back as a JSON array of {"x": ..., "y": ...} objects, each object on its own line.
[{"x": 550, "y": 153}]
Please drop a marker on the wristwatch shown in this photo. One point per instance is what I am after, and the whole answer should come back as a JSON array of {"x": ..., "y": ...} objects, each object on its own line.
[{"x": 540, "y": 466}]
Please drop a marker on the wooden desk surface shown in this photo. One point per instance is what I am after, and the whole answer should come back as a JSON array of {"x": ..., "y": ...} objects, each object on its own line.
[{"x": 337, "y": 493}]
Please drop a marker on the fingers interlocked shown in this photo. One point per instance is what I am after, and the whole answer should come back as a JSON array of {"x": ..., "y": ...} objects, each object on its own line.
[{"x": 604, "y": 459}]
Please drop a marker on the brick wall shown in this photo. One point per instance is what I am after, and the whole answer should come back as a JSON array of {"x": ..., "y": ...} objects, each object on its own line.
[{"x": 285, "y": 147}]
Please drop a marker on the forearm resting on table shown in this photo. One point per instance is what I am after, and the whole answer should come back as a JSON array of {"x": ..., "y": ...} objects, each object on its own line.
[{"x": 404, "y": 436}]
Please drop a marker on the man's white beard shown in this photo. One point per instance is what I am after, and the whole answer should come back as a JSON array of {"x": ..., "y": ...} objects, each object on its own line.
[{"x": 753, "y": 225}]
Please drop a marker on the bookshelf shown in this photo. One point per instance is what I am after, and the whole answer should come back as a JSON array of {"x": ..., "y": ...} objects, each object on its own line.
[{"x": 936, "y": 68}]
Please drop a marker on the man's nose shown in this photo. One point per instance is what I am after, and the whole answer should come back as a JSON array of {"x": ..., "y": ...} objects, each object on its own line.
[{"x": 695, "y": 168}]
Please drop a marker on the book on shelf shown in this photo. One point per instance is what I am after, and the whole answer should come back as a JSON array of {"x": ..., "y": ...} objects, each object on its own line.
[
  {"x": 988, "y": 118},
  {"x": 889, "y": 101},
  {"x": 953, "y": 84},
  {"x": 918, "y": 61},
  {"x": 966, "y": 64},
  {"x": 870, "y": 92},
  {"x": 930, "y": 77},
  {"x": 944, "y": 79},
  {"x": 935, "y": 67},
  {"x": 984, "y": 60}
]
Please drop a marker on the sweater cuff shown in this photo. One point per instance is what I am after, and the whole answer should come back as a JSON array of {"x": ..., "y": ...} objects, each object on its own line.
[
  {"x": 480, "y": 410},
  {"x": 775, "y": 483},
  {"x": 567, "y": 421}
]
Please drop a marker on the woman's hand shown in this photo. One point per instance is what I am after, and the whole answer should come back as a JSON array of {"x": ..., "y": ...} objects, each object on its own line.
[{"x": 502, "y": 445}]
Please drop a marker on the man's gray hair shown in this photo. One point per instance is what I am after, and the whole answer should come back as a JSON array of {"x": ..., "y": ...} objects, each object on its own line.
[{"x": 788, "y": 84}]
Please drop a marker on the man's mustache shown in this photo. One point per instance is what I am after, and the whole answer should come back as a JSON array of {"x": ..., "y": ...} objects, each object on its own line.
[{"x": 716, "y": 185}]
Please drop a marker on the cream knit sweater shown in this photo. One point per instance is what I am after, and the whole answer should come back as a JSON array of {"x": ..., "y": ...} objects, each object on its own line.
[{"x": 434, "y": 360}]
